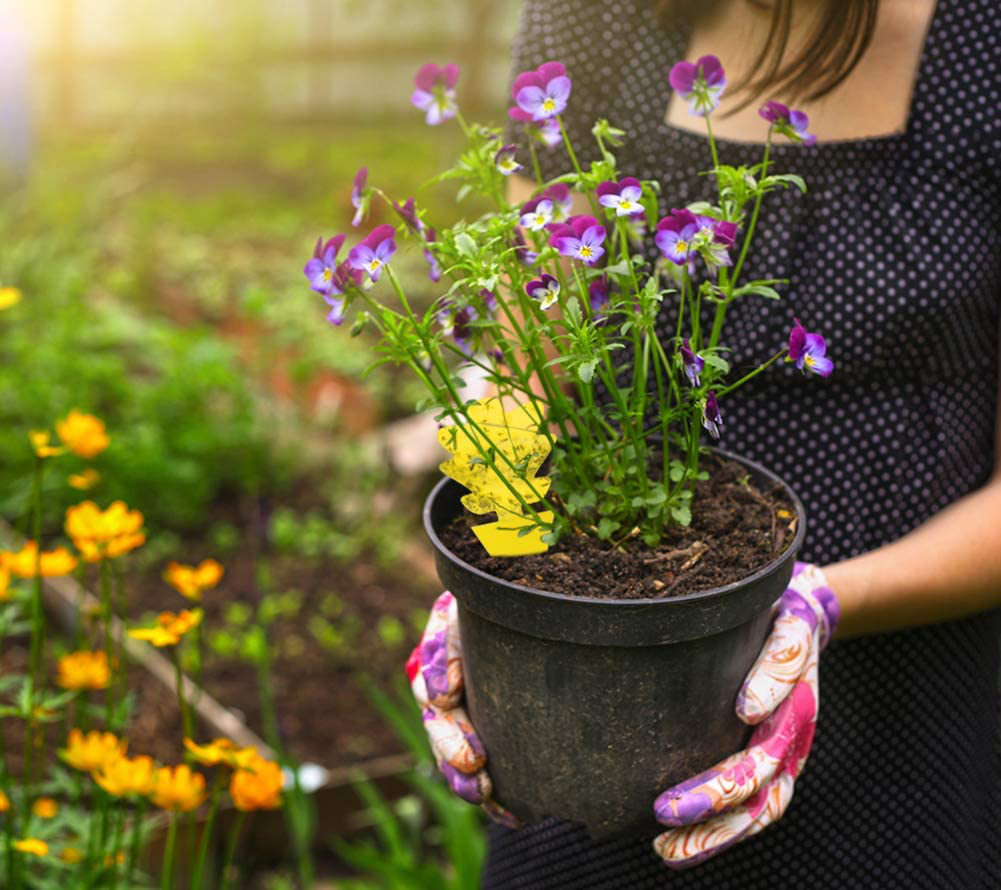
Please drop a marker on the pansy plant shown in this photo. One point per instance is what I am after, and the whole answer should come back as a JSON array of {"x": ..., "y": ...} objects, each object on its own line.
[{"x": 554, "y": 306}]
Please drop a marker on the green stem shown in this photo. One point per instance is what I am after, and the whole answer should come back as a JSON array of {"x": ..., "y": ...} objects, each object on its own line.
[
  {"x": 722, "y": 392},
  {"x": 203, "y": 843},
  {"x": 754, "y": 214},
  {"x": 136, "y": 840},
  {"x": 234, "y": 835},
  {"x": 109, "y": 650},
  {"x": 181, "y": 701},
  {"x": 169, "y": 853}
]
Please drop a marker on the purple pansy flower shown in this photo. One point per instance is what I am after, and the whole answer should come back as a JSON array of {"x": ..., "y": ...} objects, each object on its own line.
[
  {"x": 537, "y": 214},
  {"x": 545, "y": 289},
  {"x": 545, "y": 131},
  {"x": 505, "y": 161},
  {"x": 489, "y": 300},
  {"x": 623, "y": 196},
  {"x": 712, "y": 419},
  {"x": 809, "y": 351},
  {"x": 700, "y": 84},
  {"x": 462, "y": 330},
  {"x": 360, "y": 197},
  {"x": 526, "y": 256},
  {"x": 692, "y": 363},
  {"x": 562, "y": 200},
  {"x": 580, "y": 238},
  {"x": 321, "y": 270},
  {"x": 716, "y": 238},
  {"x": 597, "y": 292},
  {"x": 435, "y": 93},
  {"x": 408, "y": 213},
  {"x": 542, "y": 93},
  {"x": 789, "y": 122},
  {"x": 674, "y": 237},
  {"x": 434, "y": 268},
  {"x": 374, "y": 251}
]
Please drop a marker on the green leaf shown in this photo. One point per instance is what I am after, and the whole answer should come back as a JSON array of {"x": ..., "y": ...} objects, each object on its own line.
[
  {"x": 791, "y": 179},
  {"x": 607, "y": 527},
  {"x": 714, "y": 361},
  {"x": 465, "y": 245},
  {"x": 682, "y": 514},
  {"x": 586, "y": 370}
]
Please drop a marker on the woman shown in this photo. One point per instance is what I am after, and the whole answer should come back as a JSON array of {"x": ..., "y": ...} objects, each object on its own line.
[{"x": 896, "y": 255}]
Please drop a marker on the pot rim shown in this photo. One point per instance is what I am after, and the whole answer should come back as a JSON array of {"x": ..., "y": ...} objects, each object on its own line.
[{"x": 712, "y": 593}]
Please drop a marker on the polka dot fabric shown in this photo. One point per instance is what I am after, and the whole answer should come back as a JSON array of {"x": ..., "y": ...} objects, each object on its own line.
[{"x": 895, "y": 255}]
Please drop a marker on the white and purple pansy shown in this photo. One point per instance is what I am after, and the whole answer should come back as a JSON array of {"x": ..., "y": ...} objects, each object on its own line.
[
  {"x": 544, "y": 92},
  {"x": 598, "y": 297},
  {"x": 321, "y": 270},
  {"x": 360, "y": 197},
  {"x": 506, "y": 161},
  {"x": 675, "y": 234},
  {"x": 545, "y": 131},
  {"x": 374, "y": 252},
  {"x": 545, "y": 290},
  {"x": 489, "y": 299},
  {"x": 462, "y": 329},
  {"x": 712, "y": 418},
  {"x": 624, "y": 196},
  {"x": 435, "y": 92},
  {"x": 580, "y": 238},
  {"x": 526, "y": 256},
  {"x": 790, "y": 123},
  {"x": 809, "y": 351},
  {"x": 562, "y": 200},
  {"x": 537, "y": 213},
  {"x": 700, "y": 84},
  {"x": 692, "y": 363}
]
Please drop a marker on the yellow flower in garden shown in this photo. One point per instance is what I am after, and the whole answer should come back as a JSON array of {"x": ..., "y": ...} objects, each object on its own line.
[
  {"x": 84, "y": 670},
  {"x": 170, "y": 627},
  {"x": 4, "y": 802},
  {"x": 40, "y": 442},
  {"x": 178, "y": 789},
  {"x": 92, "y": 752},
  {"x": 54, "y": 562},
  {"x": 220, "y": 751},
  {"x": 45, "y": 808},
  {"x": 83, "y": 434},
  {"x": 84, "y": 481},
  {"x": 193, "y": 581},
  {"x": 100, "y": 534},
  {"x": 4, "y": 580},
  {"x": 9, "y": 296},
  {"x": 257, "y": 786},
  {"x": 71, "y": 855},
  {"x": 33, "y": 846},
  {"x": 127, "y": 776}
]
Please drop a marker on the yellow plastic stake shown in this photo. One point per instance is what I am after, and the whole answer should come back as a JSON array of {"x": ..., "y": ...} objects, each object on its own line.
[{"x": 513, "y": 433}]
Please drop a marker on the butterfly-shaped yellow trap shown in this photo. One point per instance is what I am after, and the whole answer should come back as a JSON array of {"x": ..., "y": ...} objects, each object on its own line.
[{"x": 515, "y": 434}]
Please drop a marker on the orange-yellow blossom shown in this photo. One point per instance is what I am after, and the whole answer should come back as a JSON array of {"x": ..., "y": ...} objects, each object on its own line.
[
  {"x": 100, "y": 534},
  {"x": 45, "y": 808},
  {"x": 71, "y": 855},
  {"x": 53, "y": 562},
  {"x": 220, "y": 751},
  {"x": 85, "y": 480},
  {"x": 193, "y": 581},
  {"x": 257, "y": 786},
  {"x": 83, "y": 434},
  {"x": 84, "y": 670},
  {"x": 41, "y": 444},
  {"x": 127, "y": 776},
  {"x": 9, "y": 296},
  {"x": 4, "y": 580},
  {"x": 92, "y": 752},
  {"x": 4, "y": 802},
  {"x": 170, "y": 627},
  {"x": 178, "y": 789},
  {"x": 32, "y": 846}
]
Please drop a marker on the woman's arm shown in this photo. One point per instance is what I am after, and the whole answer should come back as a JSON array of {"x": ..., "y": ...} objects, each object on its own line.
[{"x": 945, "y": 569}]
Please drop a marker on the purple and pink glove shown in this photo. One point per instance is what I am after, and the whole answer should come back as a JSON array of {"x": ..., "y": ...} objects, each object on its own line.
[{"x": 710, "y": 812}]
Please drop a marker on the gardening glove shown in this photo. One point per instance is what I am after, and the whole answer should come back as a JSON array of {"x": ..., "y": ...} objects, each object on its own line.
[
  {"x": 435, "y": 673},
  {"x": 749, "y": 791}
]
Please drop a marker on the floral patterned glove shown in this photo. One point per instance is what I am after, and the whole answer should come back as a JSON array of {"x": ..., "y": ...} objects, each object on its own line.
[
  {"x": 435, "y": 673},
  {"x": 749, "y": 791}
]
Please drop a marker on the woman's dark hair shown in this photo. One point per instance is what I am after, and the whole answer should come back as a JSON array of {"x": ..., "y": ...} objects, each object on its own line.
[{"x": 839, "y": 39}]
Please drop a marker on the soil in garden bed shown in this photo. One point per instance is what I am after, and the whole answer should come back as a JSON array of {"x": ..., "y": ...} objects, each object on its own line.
[{"x": 737, "y": 528}]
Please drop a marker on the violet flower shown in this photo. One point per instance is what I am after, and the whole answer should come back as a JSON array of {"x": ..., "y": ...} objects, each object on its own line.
[
  {"x": 790, "y": 123},
  {"x": 360, "y": 197},
  {"x": 712, "y": 419},
  {"x": 462, "y": 330},
  {"x": 505, "y": 161},
  {"x": 434, "y": 268},
  {"x": 692, "y": 363},
  {"x": 526, "y": 256},
  {"x": 716, "y": 237},
  {"x": 700, "y": 84},
  {"x": 674, "y": 237},
  {"x": 375, "y": 250},
  {"x": 598, "y": 292},
  {"x": 623, "y": 197},
  {"x": 546, "y": 290},
  {"x": 435, "y": 93},
  {"x": 408, "y": 213},
  {"x": 545, "y": 131},
  {"x": 489, "y": 301},
  {"x": 321, "y": 270},
  {"x": 537, "y": 214},
  {"x": 542, "y": 93},
  {"x": 809, "y": 351},
  {"x": 580, "y": 238}
]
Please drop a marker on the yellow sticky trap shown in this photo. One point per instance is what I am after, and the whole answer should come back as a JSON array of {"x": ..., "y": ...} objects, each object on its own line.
[{"x": 514, "y": 434}]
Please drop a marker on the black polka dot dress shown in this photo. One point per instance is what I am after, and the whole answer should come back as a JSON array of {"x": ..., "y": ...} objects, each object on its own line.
[{"x": 895, "y": 256}]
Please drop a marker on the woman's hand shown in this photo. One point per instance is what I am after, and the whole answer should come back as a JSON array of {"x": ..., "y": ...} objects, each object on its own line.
[
  {"x": 749, "y": 791},
  {"x": 435, "y": 673}
]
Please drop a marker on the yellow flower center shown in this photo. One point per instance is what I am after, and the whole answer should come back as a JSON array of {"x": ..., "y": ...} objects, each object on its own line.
[
  {"x": 586, "y": 252},
  {"x": 548, "y": 104},
  {"x": 327, "y": 274}
]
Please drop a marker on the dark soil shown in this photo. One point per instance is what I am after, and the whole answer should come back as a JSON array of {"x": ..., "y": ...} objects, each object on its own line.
[{"x": 736, "y": 528}]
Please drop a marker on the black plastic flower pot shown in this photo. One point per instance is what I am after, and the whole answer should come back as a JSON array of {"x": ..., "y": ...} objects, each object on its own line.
[{"x": 589, "y": 708}]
